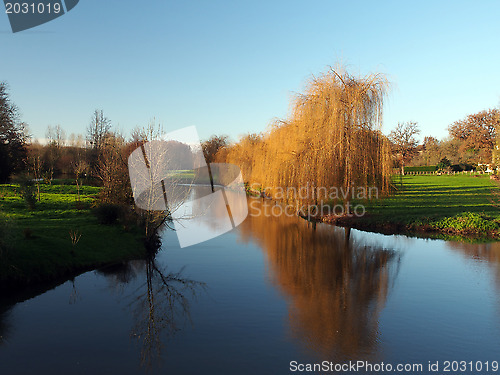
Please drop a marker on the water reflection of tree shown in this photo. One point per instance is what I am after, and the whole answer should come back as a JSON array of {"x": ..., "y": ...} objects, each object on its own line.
[
  {"x": 163, "y": 307},
  {"x": 161, "y": 304},
  {"x": 337, "y": 287}
]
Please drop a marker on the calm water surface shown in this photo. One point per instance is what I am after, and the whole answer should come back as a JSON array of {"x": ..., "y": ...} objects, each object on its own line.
[{"x": 272, "y": 291}]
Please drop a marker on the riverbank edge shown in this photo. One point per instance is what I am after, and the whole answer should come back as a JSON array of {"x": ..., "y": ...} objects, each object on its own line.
[
  {"x": 109, "y": 245},
  {"x": 64, "y": 269},
  {"x": 478, "y": 227},
  {"x": 369, "y": 224}
]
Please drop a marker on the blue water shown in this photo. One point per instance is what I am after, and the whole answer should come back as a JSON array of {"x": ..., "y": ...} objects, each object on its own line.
[{"x": 272, "y": 291}]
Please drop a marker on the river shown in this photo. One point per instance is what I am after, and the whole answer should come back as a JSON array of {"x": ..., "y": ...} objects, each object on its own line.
[{"x": 271, "y": 292}]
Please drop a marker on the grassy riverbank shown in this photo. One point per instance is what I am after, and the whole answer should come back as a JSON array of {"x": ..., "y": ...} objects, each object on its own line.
[
  {"x": 59, "y": 237},
  {"x": 450, "y": 205}
]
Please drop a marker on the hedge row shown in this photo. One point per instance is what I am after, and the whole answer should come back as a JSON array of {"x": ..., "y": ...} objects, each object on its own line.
[{"x": 426, "y": 168}]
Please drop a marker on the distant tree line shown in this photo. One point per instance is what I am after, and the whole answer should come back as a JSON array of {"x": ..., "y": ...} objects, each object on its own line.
[
  {"x": 100, "y": 158},
  {"x": 472, "y": 142},
  {"x": 333, "y": 136}
]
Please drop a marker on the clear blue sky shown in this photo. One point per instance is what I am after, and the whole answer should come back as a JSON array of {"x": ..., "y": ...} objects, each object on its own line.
[{"x": 231, "y": 67}]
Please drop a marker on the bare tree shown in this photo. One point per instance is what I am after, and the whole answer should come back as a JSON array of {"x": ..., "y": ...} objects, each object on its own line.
[
  {"x": 56, "y": 136},
  {"x": 429, "y": 152},
  {"x": 404, "y": 141},
  {"x": 97, "y": 134},
  {"x": 112, "y": 170},
  {"x": 36, "y": 167},
  {"x": 76, "y": 140},
  {"x": 79, "y": 168},
  {"x": 98, "y": 129},
  {"x": 52, "y": 151}
]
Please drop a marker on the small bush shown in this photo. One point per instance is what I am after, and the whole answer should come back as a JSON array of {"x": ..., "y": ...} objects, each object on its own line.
[
  {"x": 28, "y": 191},
  {"x": 462, "y": 167},
  {"x": 443, "y": 164},
  {"x": 107, "y": 213},
  {"x": 467, "y": 222},
  {"x": 75, "y": 236}
]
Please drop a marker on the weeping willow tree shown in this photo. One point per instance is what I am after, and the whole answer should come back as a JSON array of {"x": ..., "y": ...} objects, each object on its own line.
[
  {"x": 247, "y": 154},
  {"x": 332, "y": 138}
]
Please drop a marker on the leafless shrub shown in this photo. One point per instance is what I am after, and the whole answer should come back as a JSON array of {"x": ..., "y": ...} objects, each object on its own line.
[{"x": 75, "y": 236}]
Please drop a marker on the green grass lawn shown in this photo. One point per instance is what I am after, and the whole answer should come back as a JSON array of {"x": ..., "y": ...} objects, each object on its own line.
[
  {"x": 42, "y": 247},
  {"x": 460, "y": 203}
]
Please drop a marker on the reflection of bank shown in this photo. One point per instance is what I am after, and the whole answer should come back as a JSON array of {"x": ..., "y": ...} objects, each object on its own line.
[
  {"x": 9, "y": 298},
  {"x": 486, "y": 252},
  {"x": 159, "y": 300},
  {"x": 337, "y": 287}
]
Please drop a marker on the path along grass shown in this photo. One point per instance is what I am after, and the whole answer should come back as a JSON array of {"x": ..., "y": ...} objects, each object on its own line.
[{"x": 59, "y": 237}]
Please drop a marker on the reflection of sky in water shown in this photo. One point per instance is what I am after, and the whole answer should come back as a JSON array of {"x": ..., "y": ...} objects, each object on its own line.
[
  {"x": 201, "y": 218},
  {"x": 204, "y": 215}
]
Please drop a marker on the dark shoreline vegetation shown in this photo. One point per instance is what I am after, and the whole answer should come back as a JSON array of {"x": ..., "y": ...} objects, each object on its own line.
[{"x": 62, "y": 236}]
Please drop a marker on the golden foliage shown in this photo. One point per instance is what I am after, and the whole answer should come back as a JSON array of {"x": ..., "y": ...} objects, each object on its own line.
[{"x": 332, "y": 139}]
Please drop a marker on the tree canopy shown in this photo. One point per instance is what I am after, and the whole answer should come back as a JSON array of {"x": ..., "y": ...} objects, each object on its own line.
[
  {"x": 12, "y": 136},
  {"x": 211, "y": 146},
  {"x": 477, "y": 133},
  {"x": 404, "y": 141}
]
